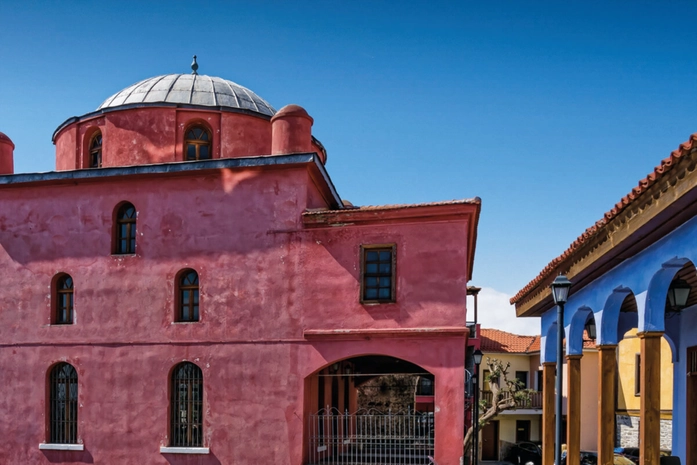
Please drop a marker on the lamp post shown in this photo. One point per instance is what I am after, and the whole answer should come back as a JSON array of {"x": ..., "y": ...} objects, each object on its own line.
[
  {"x": 560, "y": 292},
  {"x": 477, "y": 356}
]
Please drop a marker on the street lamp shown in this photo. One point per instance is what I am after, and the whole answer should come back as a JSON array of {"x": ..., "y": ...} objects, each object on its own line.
[
  {"x": 560, "y": 293},
  {"x": 477, "y": 356}
]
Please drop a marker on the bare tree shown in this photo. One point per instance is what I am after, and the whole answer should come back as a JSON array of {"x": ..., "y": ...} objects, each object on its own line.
[{"x": 506, "y": 394}]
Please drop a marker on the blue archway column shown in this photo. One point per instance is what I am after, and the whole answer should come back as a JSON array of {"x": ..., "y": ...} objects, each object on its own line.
[
  {"x": 607, "y": 321},
  {"x": 574, "y": 352},
  {"x": 651, "y": 328}
]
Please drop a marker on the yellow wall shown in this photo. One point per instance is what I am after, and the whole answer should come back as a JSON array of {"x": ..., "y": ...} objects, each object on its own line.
[{"x": 626, "y": 363}]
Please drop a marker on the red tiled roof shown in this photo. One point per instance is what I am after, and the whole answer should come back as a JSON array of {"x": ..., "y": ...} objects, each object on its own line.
[
  {"x": 495, "y": 340},
  {"x": 644, "y": 184},
  {"x": 351, "y": 208}
]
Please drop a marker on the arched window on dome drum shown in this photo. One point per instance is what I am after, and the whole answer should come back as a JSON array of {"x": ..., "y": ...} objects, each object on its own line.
[
  {"x": 125, "y": 240},
  {"x": 63, "y": 404},
  {"x": 96, "y": 151},
  {"x": 187, "y": 308},
  {"x": 63, "y": 306},
  {"x": 197, "y": 144},
  {"x": 186, "y": 411}
]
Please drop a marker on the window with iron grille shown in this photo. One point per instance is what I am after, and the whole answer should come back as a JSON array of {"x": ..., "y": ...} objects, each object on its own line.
[
  {"x": 187, "y": 306},
  {"x": 187, "y": 406},
  {"x": 96, "y": 150},
  {"x": 63, "y": 405},
  {"x": 197, "y": 144},
  {"x": 125, "y": 233},
  {"x": 378, "y": 273},
  {"x": 63, "y": 304}
]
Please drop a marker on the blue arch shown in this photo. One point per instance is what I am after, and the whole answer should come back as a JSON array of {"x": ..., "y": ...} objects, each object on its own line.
[
  {"x": 548, "y": 344},
  {"x": 653, "y": 318},
  {"x": 574, "y": 342},
  {"x": 607, "y": 321}
]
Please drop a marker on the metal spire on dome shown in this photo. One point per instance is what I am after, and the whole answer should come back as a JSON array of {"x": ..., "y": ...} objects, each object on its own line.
[{"x": 194, "y": 66}]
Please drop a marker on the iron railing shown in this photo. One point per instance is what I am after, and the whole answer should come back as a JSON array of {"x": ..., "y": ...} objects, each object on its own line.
[
  {"x": 533, "y": 400},
  {"x": 371, "y": 437}
]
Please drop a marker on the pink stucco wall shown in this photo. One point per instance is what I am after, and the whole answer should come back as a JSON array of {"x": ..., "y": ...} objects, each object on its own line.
[
  {"x": 140, "y": 136},
  {"x": 265, "y": 280}
]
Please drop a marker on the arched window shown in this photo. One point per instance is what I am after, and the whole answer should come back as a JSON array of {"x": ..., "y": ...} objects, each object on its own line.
[
  {"x": 96, "y": 150},
  {"x": 63, "y": 404},
  {"x": 125, "y": 240},
  {"x": 187, "y": 406},
  {"x": 63, "y": 304},
  {"x": 187, "y": 307},
  {"x": 197, "y": 144}
]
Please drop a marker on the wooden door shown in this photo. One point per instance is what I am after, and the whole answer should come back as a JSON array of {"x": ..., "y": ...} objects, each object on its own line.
[
  {"x": 490, "y": 441},
  {"x": 522, "y": 431},
  {"x": 691, "y": 407}
]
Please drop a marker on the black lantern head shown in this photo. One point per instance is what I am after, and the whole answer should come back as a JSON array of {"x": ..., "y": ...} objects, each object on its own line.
[
  {"x": 477, "y": 356},
  {"x": 678, "y": 293},
  {"x": 560, "y": 289}
]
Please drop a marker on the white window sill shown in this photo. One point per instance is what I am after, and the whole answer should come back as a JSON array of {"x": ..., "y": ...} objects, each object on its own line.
[
  {"x": 184, "y": 450},
  {"x": 51, "y": 446}
]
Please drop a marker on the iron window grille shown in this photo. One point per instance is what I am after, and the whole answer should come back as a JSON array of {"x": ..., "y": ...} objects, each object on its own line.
[
  {"x": 64, "y": 300},
  {"x": 125, "y": 230},
  {"x": 187, "y": 406},
  {"x": 188, "y": 296},
  {"x": 96, "y": 151},
  {"x": 378, "y": 263},
  {"x": 63, "y": 404},
  {"x": 197, "y": 144}
]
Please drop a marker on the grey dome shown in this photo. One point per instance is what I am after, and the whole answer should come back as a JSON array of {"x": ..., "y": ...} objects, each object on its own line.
[{"x": 190, "y": 89}]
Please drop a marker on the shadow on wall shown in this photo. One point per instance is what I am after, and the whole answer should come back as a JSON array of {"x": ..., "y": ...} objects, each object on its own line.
[
  {"x": 185, "y": 459},
  {"x": 61, "y": 456}
]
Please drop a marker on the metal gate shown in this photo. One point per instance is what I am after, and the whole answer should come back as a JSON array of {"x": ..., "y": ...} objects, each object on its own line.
[{"x": 371, "y": 437}]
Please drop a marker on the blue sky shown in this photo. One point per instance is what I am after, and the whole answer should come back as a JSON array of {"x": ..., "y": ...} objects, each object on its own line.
[{"x": 548, "y": 111}]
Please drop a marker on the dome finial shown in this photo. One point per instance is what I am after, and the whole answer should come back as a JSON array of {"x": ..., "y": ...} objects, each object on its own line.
[{"x": 194, "y": 66}]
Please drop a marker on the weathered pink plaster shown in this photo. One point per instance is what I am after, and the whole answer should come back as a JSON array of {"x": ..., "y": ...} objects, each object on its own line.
[{"x": 273, "y": 288}]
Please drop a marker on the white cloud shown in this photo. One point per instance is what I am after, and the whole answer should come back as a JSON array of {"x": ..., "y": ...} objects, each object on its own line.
[{"x": 495, "y": 312}]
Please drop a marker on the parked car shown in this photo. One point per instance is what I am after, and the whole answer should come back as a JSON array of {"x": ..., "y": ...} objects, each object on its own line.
[
  {"x": 524, "y": 453},
  {"x": 632, "y": 453},
  {"x": 591, "y": 458}
]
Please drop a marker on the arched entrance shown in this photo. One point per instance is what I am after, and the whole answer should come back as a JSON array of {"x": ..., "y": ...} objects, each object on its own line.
[{"x": 370, "y": 409}]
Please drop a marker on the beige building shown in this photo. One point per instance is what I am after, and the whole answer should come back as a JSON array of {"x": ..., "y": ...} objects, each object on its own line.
[{"x": 524, "y": 423}]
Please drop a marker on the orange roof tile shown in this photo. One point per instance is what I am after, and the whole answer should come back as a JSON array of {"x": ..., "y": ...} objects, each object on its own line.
[
  {"x": 495, "y": 340},
  {"x": 644, "y": 184}
]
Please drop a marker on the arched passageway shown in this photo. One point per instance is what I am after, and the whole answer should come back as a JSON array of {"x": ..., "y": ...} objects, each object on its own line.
[{"x": 370, "y": 409}]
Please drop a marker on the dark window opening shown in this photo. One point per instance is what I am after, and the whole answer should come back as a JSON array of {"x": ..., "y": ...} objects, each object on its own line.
[
  {"x": 64, "y": 301},
  {"x": 378, "y": 281},
  {"x": 188, "y": 296},
  {"x": 424, "y": 387},
  {"x": 522, "y": 377},
  {"x": 197, "y": 144},
  {"x": 63, "y": 405},
  {"x": 187, "y": 406},
  {"x": 96, "y": 151},
  {"x": 126, "y": 230}
]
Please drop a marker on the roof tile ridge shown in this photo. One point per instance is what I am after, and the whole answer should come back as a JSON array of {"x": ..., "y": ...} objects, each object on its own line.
[{"x": 665, "y": 165}]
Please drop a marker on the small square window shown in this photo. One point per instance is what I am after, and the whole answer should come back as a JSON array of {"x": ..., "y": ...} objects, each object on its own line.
[{"x": 378, "y": 273}]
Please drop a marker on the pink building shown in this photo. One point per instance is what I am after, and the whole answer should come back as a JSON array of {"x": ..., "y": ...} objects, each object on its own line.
[{"x": 189, "y": 287}]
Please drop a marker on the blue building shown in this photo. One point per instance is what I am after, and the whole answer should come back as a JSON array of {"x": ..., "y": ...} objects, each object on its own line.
[{"x": 635, "y": 268}]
